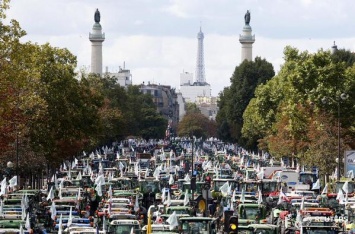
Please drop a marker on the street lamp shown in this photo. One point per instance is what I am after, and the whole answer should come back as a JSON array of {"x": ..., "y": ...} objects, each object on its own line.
[{"x": 339, "y": 98}]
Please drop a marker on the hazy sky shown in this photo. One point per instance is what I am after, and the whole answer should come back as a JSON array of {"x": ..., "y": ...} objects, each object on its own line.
[{"x": 157, "y": 38}]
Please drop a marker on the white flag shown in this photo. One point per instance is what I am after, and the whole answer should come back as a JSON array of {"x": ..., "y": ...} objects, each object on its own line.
[
  {"x": 346, "y": 187},
  {"x": 316, "y": 185},
  {"x": 187, "y": 178},
  {"x": 168, "y": 200},
  {"x": 1, "y": 207},
  {"x": 171, "y": 180},
  {"x": 21, "y": 229},
  {"x": 60, "y": 229},
  {"x": 186, "y": 199},
  {"x": 3, "y": 187},
  {"x": 50, "y": 194},
  {"x": 242, "y": 196},
  {"x": 13, "y": 182},
  {"x": 340, "y": 197},
  {"x": 260, "y": 197},
  {"x": 27, "y": 224},
  {"x": 70, "y": 219},
  {"x": 53, "y": 211},
  {"x": 136, "y": 204},
  {"x": 98, "y": 189},
  {"x": 172, "y": 221},
  {"x": 224, "y": 189}
]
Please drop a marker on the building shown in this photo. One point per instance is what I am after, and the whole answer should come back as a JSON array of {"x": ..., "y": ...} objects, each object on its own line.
[
  {"x": 165, "y": 99},
  {"x": 123, "y": 77}
]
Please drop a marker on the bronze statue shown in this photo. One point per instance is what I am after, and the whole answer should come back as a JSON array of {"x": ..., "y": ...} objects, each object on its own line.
[
  {"x": 247, "y": 18},
  {"x": 97, "y": 16}
]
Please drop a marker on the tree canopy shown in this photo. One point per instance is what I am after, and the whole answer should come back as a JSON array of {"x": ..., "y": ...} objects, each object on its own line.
[
  {"x": 296, "y": 113},
  {"x": 234, "y": 100}
]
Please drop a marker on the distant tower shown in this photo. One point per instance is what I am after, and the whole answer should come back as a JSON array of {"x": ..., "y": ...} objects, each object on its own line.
[
  {"x": 247, "y": 40},
  {"x": 96, "y": 38},
  {"x": 200, "y": 63},
  {"x": 334, "y": 48}
]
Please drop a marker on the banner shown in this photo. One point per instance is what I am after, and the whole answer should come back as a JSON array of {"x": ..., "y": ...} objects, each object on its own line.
[{"x": 349, "y": 161}]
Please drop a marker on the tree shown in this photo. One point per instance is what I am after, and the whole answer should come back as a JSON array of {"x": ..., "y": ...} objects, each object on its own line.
[
  {"x": 196, "y": 124},
  {"x": 286, "y": 110},
  {"x": 192, "y": 108},
  {"x": 246, "y": 77}
]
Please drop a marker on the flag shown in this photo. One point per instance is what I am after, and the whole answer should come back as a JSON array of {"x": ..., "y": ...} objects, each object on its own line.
[
  {"x": 3, "y": 187},
  {"x": 27, "y": 223},
  {"x": 171, "y": 180},
  {"x": 346, "y": 187},
  {"x": 340, "y": 196},
  {"x": 233, "y": 196},
  {"x": 260, "y": 174},
  {"x": 242, "y": 196},
  {"x": 23, "y": 213},
  {"x": 70, "y": 219},
  {"x": 13, "y": 182},
  {"x": 325, "y": 189},
  {"x": 1, "y": 207},
  {"x": 104, "y": 224},
  {"x": 100, "y": 180},
  {"x": 260, "y": 197},
  {"x": 172, "y": 221},
  {"x": 316, "y": 185},
  {"x": 302, "y": 204},
  {"x": 98, "y": 189},
  {"x": 163, "y": 195},
  {"x": 224, "y": 189},
  {"x": 79, "y": 177},
  {"x": 187, "y": 178},
  {"x": 109, "y": 193},
  {"x": 53, "y": 211},
  {"x": 136, "y": 204},
  {"x": 60, "y": 229},
  {"x": 282, "y": 197},
  {"x": 156, "y": 173},
  {"x": 78, "y": 197},
  {"x": 21, "y": 229},
  {"x": 186, "y": 198},
  {"x": 298, "y": 222},
  {"x": 50, "y": 194},
  {"x": 168, "y": 200}
]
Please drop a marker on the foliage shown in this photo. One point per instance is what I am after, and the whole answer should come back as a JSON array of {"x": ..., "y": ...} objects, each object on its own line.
[
  {"x": 287, "y": 113},
  {"x": 246, "y": 77},
  {"x": 192, "y": 108},
  {"x": 49, "y": 114},
  {"x": 198, "y": 125}
]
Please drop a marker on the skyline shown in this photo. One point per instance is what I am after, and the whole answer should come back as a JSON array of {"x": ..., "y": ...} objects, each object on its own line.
[{"x": 157, "y": 39}]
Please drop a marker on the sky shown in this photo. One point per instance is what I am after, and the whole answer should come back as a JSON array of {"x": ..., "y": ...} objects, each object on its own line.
[{"x": 157, "y": 39}]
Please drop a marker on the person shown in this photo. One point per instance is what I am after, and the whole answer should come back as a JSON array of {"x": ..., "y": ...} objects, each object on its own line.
[
  {"x": 247, "y": 18},
  {"x": 218, "y": 215}
]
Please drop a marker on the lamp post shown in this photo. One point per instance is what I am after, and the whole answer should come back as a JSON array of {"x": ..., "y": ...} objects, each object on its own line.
[{"x": 339, "y": 98}]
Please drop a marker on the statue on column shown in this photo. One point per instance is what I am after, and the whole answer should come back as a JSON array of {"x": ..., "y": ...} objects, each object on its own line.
[
  {"x": 97, "y": 16},
  {"x": 247, "y": 18}
]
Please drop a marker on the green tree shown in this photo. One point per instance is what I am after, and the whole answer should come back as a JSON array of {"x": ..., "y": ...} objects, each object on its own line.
[
  {"x": 246, "y": 77},
  {"x": 192, "y": 108},
  {"x": 286, "y": 107}
]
